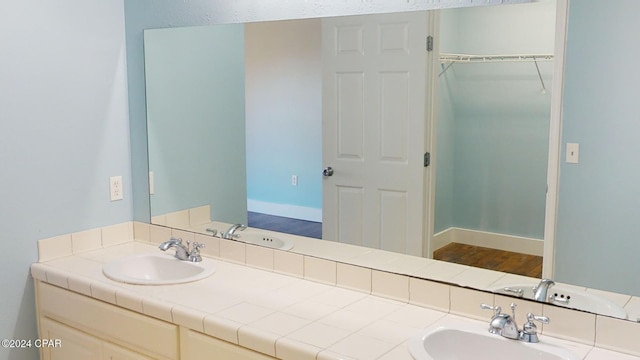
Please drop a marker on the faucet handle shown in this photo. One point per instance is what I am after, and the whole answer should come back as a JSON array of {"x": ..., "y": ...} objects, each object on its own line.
[
  {"x": 194, "y": 254},
  {"x": 496, "y": 309},
  {"x": 530, "y": 330},
  {"x": 213, "y": 232},
  {"x": 541, "y": 319},
  {"x": 513, "y": 310}
]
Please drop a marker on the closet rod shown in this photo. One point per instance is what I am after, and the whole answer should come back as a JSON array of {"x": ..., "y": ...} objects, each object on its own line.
[
  {"x": 451, "y": 59},
  {"x": 467, "y": 58}
]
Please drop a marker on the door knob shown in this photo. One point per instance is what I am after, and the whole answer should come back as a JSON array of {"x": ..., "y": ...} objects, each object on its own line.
[{"x": 328, "y": 171}]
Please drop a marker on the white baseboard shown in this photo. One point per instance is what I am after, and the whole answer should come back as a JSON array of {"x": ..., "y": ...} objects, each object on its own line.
[
  {"x": 289, "y": 211},
  {"x": 496, "y": 241}
]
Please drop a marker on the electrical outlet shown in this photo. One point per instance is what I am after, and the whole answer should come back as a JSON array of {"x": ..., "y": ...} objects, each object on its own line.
[
  {"x": 294, "y": 180},
  {"x": 115, "y": 188},
  {"x": 152, "y": 186}
]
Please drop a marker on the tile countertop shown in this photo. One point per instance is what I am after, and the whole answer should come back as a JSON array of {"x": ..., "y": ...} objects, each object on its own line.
[{"x": 278, "y": 315}]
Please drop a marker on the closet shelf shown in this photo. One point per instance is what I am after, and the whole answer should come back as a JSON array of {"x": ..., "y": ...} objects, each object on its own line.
[{"x": 467, "y": 58}]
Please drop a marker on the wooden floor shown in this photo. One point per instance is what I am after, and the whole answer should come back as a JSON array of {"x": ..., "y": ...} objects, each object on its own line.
[
  {"x": 286, "y": 225},
  {"x": 505, "y": 261}
]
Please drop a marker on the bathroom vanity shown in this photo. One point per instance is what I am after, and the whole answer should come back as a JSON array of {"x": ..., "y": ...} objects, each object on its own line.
[{"x": 249, "y": 309}]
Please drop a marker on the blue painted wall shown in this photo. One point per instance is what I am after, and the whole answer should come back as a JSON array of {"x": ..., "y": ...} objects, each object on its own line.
[
  {"x": 598, "y": 240},
  {"x": 196, "y": 119},
  {"x": 63, "y": 133},
  {"x": 493, "y": 121},
  {"x": 141, "y": 15}
]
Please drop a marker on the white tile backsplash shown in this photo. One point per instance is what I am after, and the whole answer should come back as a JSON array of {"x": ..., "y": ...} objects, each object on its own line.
[
  {"x": 260, "y": 257},
  {"x": 569, "y": 324},
  {"x": 117, "y": 234},
  {"x": 618, "y": 335},
  {"x": 55, "y": 247},
  {"x": 389, "y": 285},
  {"x": 86, "y": 240},
  {"x": 159, "y": 234},
  {"x": 429, "y": 294},
  {"x": 353, "y": 277},
  {"x": 211, "y": 245},
  {"x": 184, "y": 235},
  {"x": 141, "y": 231},
  {"x": 233, "y": 251},
  {"x": 288, "y": 263},
  {"x": 320, "y": 270},
  {"x": 466, "y": 302}
]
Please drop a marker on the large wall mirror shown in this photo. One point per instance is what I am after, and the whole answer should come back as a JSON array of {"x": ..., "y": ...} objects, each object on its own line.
[{"x": 238, "y": 132}]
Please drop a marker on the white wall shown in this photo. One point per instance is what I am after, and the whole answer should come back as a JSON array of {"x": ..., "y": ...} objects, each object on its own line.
[{"x": 63, "y": 132}]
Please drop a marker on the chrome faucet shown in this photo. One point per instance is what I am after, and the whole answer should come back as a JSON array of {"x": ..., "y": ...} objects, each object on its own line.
[
  {"x": 540, "y": 292},
  {"x": 183, "y": 252},
  {"x": 230, "y": 232},
  {"x": 505, "y": 324}
]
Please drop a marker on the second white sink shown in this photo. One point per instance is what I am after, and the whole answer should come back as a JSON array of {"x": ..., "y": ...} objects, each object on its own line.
[
  {"x": 470, "y": 341},
  {"x": 157, "y": 269}
]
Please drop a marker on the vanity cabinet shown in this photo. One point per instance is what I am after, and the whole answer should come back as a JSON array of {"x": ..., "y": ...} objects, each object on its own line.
[
  {"x": 198, "y": 346},
  {"x": 92, "y": 329},
  {"x": 76, "y": 344}
]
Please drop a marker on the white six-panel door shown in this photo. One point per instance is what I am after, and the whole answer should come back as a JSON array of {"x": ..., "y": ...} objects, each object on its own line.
[{"x": 374, "y": 132}]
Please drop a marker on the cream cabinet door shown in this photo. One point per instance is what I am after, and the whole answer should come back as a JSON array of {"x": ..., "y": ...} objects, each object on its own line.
[
  {"x": 74, "y": 344},
  {"x": 198, "y": 346}
]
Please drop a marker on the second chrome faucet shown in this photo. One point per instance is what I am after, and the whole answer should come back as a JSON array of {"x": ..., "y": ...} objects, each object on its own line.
[{"x": 230, "y": 233}]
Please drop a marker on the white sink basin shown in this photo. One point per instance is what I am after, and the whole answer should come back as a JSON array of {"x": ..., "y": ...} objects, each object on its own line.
[
  {"x": 459, "y": 341},
  {"x": 578, "y": 299},
  {"x": 157, "y": 269},
  {"x": 265, "y": 240}
]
